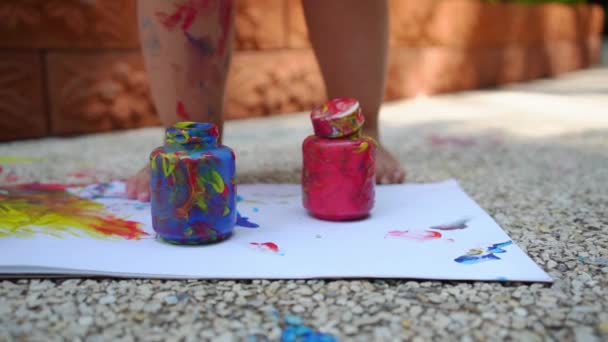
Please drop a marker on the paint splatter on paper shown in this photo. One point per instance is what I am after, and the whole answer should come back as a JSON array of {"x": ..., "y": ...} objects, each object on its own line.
[
  {"x": 102, "y": 190},
  {"x": 415, "y": 235},
  {"x": 456, "y": 225},
  {"x": 88, "y": 176},
  {"x": 479, "y": 255},
  {"x": 19, "y": 159},
  {"x": 267, "y": 246},
  {"x": 244, "y": 221},
  {"x": 48, "y": 209}
]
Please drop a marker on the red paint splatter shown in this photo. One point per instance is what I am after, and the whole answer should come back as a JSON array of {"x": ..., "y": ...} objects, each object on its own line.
[
  {"x": 181, "y": 111},
  {"x": 43, "y": 186},
  {"x": 417, "y": 235},
  {"x": 90, "y": 175},
  {"x": 269, "y": 245},
  {"x": 437, "y": 140},
  {"x": 11, "y": 177}
]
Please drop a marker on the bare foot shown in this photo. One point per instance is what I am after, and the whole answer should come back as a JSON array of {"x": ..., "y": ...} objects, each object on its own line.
[
  {"x": 138, "y": 186},
  {"x": 388, "y": 169}
]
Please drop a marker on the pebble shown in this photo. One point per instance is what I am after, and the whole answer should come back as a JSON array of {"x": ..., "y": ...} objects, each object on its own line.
[
  {"x": 171, "y": 300},
  {"x": 85, "y": 320}
]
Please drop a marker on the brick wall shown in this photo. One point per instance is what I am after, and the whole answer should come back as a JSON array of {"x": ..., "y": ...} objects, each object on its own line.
[{"x": 74, "y": 66}]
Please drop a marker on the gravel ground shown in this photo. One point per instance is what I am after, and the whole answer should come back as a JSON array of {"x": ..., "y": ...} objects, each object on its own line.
[{"x": 534, "y": 156}]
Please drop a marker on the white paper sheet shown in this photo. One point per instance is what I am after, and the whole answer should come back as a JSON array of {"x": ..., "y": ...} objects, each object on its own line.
[{"x": 376, "y": 247}]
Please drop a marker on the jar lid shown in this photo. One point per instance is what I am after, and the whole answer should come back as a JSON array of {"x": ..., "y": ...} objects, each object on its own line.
[
  {"x": 187, "y": 132},
  {"x": 337, "y": 118}
]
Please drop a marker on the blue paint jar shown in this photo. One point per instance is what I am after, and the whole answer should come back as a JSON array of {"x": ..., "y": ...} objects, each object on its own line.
[{"x": 193, "y": 195}]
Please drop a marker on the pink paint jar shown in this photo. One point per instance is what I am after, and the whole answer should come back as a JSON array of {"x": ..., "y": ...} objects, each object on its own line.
[{"x": 338, "y": 176}]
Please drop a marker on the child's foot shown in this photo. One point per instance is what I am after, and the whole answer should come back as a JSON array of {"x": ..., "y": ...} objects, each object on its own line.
[
  {"x": 138, "y": 186},
  {"x": 388, "y": 169}
]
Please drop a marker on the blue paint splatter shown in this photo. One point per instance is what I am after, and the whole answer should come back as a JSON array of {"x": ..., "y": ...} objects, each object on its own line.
[
  {"x": 470, "y": 259},
  {"x": 141, "y": 206},
  {"x": 255, "y": 210},
  {"x": 239, "y": 198},
  {"x": 502, "y": 278},
  {"x": 498, "y": 247},
  {"x": 296, "y": 331},
  {"x": 475, "y": 259},
  {"x": 203, "y": 45},
  {"x": 596, "y": 261},
  {"x": 243, "y": 221}
]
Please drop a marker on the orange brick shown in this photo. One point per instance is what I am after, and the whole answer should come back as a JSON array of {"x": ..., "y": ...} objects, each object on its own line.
[
  {"x": 409, "y": 22},
  {"x": 260, "y": 24},
  {"x": 596, "y": 20},
  {"x": 271, "y": 82},
  {"x": 22, "y": 111},
  {"x": 68, "y": 24},
  {"x": 94, "y": 92}
]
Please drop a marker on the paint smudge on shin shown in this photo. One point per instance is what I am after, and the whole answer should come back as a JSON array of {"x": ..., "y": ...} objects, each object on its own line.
[
  {"x": 202, "y": 45},
  {"x": 181, "y": 111},
  {"x": 415, "y": 235},
  {"x": 183, "y": 16}
]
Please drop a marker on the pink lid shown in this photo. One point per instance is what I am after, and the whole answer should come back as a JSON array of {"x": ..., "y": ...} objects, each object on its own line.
[{"x": 337, "y": 118}]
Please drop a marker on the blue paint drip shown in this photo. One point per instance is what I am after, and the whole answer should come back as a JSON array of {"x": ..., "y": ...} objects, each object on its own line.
[
  {"x": 255, "y": 210},
  {"x": 244, "y": 221},
  {"x": 203, "y": 45}
]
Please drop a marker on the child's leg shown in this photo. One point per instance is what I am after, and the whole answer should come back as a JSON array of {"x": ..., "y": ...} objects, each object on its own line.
[
  {"x": 350, "y": 38},
  {"x": 187, "y": 46}
]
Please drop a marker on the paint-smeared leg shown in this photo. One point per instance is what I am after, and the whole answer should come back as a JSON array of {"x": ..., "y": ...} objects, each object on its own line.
[
  {"x": 187, "y": 46},
  {"x": 350, "y": 38}
]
